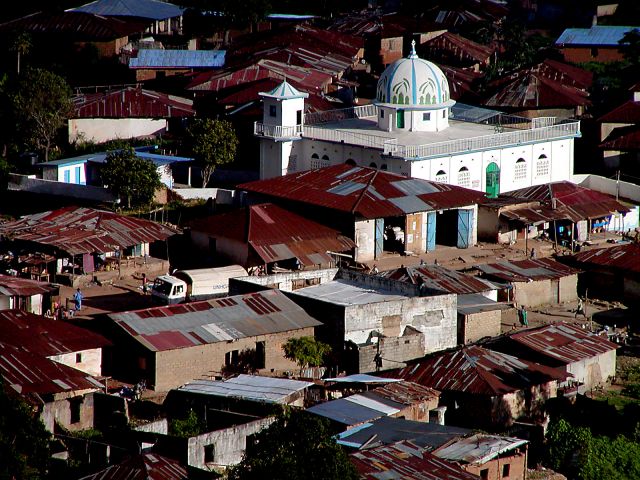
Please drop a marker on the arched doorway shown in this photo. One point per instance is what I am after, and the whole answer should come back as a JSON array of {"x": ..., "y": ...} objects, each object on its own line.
[
  {"x": 493, "y": 180},
  {"x": 351, "y": 162}
]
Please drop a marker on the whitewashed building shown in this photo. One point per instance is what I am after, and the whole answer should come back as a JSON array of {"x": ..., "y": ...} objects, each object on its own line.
[{"x": 415, "y": 129}]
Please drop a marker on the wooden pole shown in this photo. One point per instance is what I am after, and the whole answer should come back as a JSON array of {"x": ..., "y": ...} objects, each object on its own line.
[
  {"x": 526, "y": 240},
  {"x": 572, "y": 228}
]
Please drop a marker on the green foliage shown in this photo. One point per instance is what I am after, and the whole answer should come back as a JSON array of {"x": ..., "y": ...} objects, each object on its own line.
[
  {"x": 630, "y": 47},
  {"x": 297, "y": 446},
  {"x": 41, "y": 106},
  {"x": 632, "y": 390},
  {"x": 186, "y": 427},
  {"x": 248, "y": 362},
  {"x": 130, "y": 177},
  {"x": 306, "y": 351},
  {"x": 213, "y": 143},
  {"x": 564, "y": 443},
  {"x": 24, "y": 442}
]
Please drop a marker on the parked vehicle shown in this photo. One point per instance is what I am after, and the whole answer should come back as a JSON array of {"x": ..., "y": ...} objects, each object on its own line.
[{"x": 191, "y": 285}]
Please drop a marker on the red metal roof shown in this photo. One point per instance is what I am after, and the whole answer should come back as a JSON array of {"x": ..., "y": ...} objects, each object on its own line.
[
  {"x": 564, "y": 342},
  {"x": 406, "y": 393},
  {"x": 24, "y": 287},
  {"x": 407, "y": 461},
  {"x": 131, "y": 102},
  {"x": 149, "y": 466},
  {"x": 476, "y": 370},
  {"x": 78, "y": 230},
  {"x": 450, "y": 47},
  {"x": 623, "y": 139},
  {"x": 365, "y": 192},
  {"x": 44, "y": 336},
  {"x": 623, "y": 258},
  {"x": 276, "y": 234},
  {"x": 628, "y": 112},
  {"x": 527, "y": 270},
  {"x": 462, "y": 82},
  {"x": 441, "y": 278},
  {"x": 33, "y": 376}
]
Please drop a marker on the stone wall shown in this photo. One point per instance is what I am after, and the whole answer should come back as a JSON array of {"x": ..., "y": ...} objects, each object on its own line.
[{"x": 60, "y": 411}]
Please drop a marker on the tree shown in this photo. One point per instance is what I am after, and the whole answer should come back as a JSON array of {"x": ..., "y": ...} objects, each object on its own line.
[
  {"x": 297, "y": 446},
  {"x": 21, "y": 46},
  {"x": 630, "y": 47},
  {"x": 213, "y": 143},
  {"x": 131, "y": 177},
  {"x": 306, "y": 351},
  {"x": 190, "y": 426},
  {"x": 42, "y": 104},
  {"x": 24, "y": 442}
]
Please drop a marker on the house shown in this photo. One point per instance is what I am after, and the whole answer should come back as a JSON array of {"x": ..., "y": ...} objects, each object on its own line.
[
  {"x": 60, "y": 394},
  {"x": 128, "y": 112},
  {"x": 599, "y": 43},
  {"x": 58, "y": 341},
  {"x": 534, "y": 282},
  {"x": 485, "y": 389},
  {"x": 614, "y": 272},
  {"x": 455, "y": 50},
  {"x": 266, "y": 234},
  {"x": 161, "y": 18},
  {"x": 479, "y": 313},
  {"x": 82, "y": 240},
  {"x": 414, "y": 128},
  {"x": 490, "y": 457},
  {"x": 25, "y": 294},
  {"x": 146, "y": 466},
  {"x": 562, "y": 211},
  {"x": 405, "y": 460},
  {"x": 150, "y": 64},
  {"x": 589, "y": 358},
  {"x": 619, "y": 135},
  {"x": 379, "y": 210},
  {"x": 170, "y": 346}
]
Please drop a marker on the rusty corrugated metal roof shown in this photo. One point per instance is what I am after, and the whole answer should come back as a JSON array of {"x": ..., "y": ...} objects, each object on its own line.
[
  {"x": 78, "y": 230},
  {"x": 365, "y": 192},
  {"x": 622, "y": 258},
  {"x": 440, "y": 278},
  {"x": 623, "y": 139},
  {"x": 628, "y": 112},
  {"x": 148, "y": 466},
  {"x": 477, "y": 370},
  {"x": 212, "y": 321},
  {"x": 478, "y": 449},
  {"x": 25, "y": 287},
  {"x": 564, "y": 342},
  {"x": 451, "y": 47},
  {"x": 404, "y": 392},
  {"x": 407, "y": 461},
  {"x": 527, "y": 270}
]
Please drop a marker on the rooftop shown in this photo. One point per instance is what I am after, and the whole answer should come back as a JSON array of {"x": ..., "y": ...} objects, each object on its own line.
[
  {"x": 148, "y": 9},
  {"x": 355, "y": 409},
  {"x": 475, "y": 303},
  {"x": 248, "y": 387},
  {"x": 441, "y": 278},
  {"x": 24, "y": 287},
  {"x": 622, "y": 258},
  {"x": 527, "y": 270},
  {"x": 628, "y": 112},
  {"x": 78, "y": 230},
  {"x": 147, "y": 466},
  {"x": 347, "y": 293},
  {"x": 478, "y": 449},
  {"x": 597, "y": 35},
  {"x": 220, "y": 320},
  {"x": 155, "y": 58}
]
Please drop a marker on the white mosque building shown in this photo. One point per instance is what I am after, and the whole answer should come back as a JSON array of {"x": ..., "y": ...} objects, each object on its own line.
[{"x": 415, "y": 129}]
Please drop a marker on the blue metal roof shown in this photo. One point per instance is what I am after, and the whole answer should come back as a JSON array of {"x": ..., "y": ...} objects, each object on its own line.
[
  {"x": 150, "y": 9},
  {"x": 601, "y": 35},
  {"x": 284, "y": 91},
  {"x": 155, "y": 58},
  {"x": 101, "y": 157}
]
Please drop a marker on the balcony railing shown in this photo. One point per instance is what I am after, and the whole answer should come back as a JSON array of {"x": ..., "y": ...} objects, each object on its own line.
[
  {"x": 362, "y": 111},
  {"x": 276, "y": 131},
  {"x": 390, "y": 146}
]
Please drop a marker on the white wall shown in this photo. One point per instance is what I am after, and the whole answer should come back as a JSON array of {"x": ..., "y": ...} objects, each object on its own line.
[
  {"x": 365, "y": 240},
  {"x": 104, "y": 129},
  {"x": 91, "y": 360},
  {"x": 77, "y": 173}
]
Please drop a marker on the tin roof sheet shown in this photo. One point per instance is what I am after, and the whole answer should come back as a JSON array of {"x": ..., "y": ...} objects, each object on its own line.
[
  {"x": 476, "y": 303},
  {"x": 148, "y": 466},
  {"x": 362, "y": 378},
  {"x": 407, "y": 461},
  {"x": 156, "y": 58},
  {"x": 477, "y": 370},
  {"x": 597, "y": 35},
  {"x": 78, "y": 230},
  {"x": 449, "y": 47},
  {"x": 564, "y": 342},
  {"x": 623, "y": 139},
  {"x": 379, "y": 193},
  {"x": 527, "y": 270},
  {"x": 347, "y": 412},
  {"x": 248, "y": 387},
  {"x": 149, "y": 9},
  {"x": 45, "y": 336},
  {"x": 404, "y": 393},
  {"x": 347, "y": 292},
  {"x": 211, "y": 321},
  {"x": 628, "y": 112},
  {"x": 24, "y": 287},
  {"x": 621, "y": 258},
  {"x": 276, "y": 234},
  {"x": 440, "y": 278},
  {"x": 478, "y": 449}
]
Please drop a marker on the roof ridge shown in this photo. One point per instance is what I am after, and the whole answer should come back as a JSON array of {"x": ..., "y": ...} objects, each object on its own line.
[
  {"x": 364, "y": 191},
  {"x": 481, "y": 373}
]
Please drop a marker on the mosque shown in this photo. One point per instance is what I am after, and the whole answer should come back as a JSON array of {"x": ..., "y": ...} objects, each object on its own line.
[{"x": 414, "y": 128}]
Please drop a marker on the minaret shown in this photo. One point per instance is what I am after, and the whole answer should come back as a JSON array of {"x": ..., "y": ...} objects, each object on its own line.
[{"x": 282, "y": 123}]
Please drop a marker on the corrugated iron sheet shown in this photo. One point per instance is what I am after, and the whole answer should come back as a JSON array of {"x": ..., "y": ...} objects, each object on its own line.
[
  {"x": 527, "y": 270},
  {"x": 597, "y": 35},
  {"x": 346, "y": 412},
  {"x": 200, "y": 323},
  {"x": 149, "y": 466},
  {"x": 564, "y": 342},
  {"x": 404, "y": 393},
  {"x": 452, "y": 46},
  {"x": 77, "y": 230},
  {"x": 628, "y": 112},
  {"x": 623, "y": 139},
  {"x": 407, "y": 461},
  {"x": 476, "y": 370},
  {"x": 150, "y": 9},
  {"x": 24, "y": 287},
  {"x": 381, "y": 196},
  {"x": 156, "y": 58},
  {"x": 440, "y": 278},
  {"x": 478, "y": 449},
  {"x": 623, "y": 258}
]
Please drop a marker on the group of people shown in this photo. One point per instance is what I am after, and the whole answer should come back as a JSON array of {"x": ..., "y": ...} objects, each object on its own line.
[{"x": 60, "y": 312}]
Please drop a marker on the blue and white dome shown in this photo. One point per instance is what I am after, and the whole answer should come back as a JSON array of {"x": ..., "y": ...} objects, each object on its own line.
[{"x": 413, "y": 82}]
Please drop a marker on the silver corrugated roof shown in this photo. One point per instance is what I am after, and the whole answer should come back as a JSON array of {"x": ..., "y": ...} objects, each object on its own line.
[{"x": 478, "y": 449}]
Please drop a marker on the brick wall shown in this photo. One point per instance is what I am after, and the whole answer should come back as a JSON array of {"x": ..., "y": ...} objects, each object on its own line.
[
  {"x": 475, "y": 326},
  {"x": 516, "y": 466},
  {"x": 586, "y": 54}
]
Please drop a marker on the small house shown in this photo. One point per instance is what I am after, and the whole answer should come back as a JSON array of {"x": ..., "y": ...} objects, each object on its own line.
[
  {"x": 25, "y": 294},
  {"x": 599, "y": 43},
  {"x": 150, "y": 64}
]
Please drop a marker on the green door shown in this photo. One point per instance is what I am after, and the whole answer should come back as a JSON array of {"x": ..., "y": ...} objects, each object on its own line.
[
  {"x": 493, "y": 180},
  {"x": 400, "y": 118}
]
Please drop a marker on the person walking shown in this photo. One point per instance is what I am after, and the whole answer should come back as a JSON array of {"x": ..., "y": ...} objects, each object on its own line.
[
  {"x": 145, "y": 285},
  {"x": 580, "y": 310},
  {"x": 77, "y": 299}
]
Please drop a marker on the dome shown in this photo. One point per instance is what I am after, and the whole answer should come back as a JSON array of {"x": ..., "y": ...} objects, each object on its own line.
[{"x": 413, "y": 82}]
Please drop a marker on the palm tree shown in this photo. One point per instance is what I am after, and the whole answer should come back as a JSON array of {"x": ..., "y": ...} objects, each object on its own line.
[{"x": 21, "y": 45}]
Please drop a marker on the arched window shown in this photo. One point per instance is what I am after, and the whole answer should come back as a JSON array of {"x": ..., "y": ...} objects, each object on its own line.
[
  {"x": 351, "y": 162},
  {"x": 315, "y": 155},
  {"x": 315, "y": 161},
  {"x": 373, "y": 165},
  {"x": 383, "y": 166},
  {"x": 464, "y": 177},
  {"x": 520, "y": 171},
  {"x": 441, "y": 176},
  {"x": 542, "y": 166}
]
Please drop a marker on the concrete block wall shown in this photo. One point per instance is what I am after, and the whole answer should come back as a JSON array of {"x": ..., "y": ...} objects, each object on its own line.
[
  {"x": 59, "y": 411},
  {"x": 393, "y": 351},
  {"x": 495, "y": 469},
  {"x": 90, "y": 360},
  {"x": 568, "y": 289},
  {"x": 594, "y": 371},
  {"x": 281, "y": 281},
  {"x": 377, "y": 282},
  {"x": 475, "y": 326}
]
